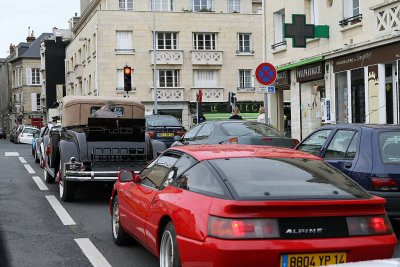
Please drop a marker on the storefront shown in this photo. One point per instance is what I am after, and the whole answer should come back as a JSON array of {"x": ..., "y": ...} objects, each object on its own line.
[
  {"x": 366, "y": 88},
  {"x": 282, "y": 83},
  {"x": 312, "y": 91}
]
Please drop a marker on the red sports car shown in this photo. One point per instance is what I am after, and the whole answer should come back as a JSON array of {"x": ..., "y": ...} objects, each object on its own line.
[{"x": 243, "y": 205}]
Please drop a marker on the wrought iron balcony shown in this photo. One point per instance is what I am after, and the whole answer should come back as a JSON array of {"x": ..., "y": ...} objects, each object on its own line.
[
  {"x": 351, "y": 20},
  {"x": 280, "y": 44}
]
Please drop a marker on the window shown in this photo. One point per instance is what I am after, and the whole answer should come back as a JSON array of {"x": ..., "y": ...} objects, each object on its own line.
[
  {"x": 202, "y": 5},
  {"x": 339, "y": 145},
  {"x": 126, "y": 4},
  {"x": 124, "y": 41},
  {"x": 168, "y": 78},
  {"x": 279, "y": 21},
  {"x": 205, "y": 132},
  {"x": 120, "y": 79},
  {"x": 245, "y": 80},
  {"x": 161, "y": 5},
  {"x": 351, "y": 8},
  {"x": 167, "y": 40},
  {"x": 190, "y": 135},
  {"x": 314, "y": 143},
  {"x": 200, "y": 179},
  {"x": 314, "y": 12},
  {"x": 244, "y": 43},
  {"x": 35, "y": 102},
  {"x": 154, "y": 174},
  {"x": 389, "y": 146},
  {"x": 204, "y": 41},
  {"x": 33, "y": 76},
  {"x": 205, "y": 78},
  {"x": 234, "y": 6}
]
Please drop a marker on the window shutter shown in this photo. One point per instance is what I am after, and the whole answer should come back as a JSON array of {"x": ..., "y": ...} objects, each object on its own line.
[
  {"x": 190, "y": 5},
  {"x": 346, "y": 8},
  {"x": 28, "y": 76},
  {"x": 120, "y": 79},
  {"x": 34, "y": 101}
]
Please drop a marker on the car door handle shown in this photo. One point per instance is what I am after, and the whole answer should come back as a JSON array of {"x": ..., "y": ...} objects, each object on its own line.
[{"x": 348, "y": 164}]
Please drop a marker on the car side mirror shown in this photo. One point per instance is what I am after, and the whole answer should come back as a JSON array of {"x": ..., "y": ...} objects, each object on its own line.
[{"x": 128, "y": 176}]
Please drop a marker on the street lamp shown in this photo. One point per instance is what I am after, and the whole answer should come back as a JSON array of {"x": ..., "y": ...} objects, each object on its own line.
[{"x": 154, "y": 59}]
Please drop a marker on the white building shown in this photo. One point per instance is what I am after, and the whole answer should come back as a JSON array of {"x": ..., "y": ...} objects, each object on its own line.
[
  {"x": 210, "y": 45},
  {"x": 354, "y": 72}
]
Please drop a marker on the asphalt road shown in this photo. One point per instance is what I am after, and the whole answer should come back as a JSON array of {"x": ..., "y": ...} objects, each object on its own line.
[
  {"x": 33, "y": 234},
  {"x": 38, "y": 229}
]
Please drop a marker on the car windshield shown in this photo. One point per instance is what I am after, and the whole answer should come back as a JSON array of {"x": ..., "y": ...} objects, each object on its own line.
[
  {"x": 162, "y": 121},
  {"x": 389, "y": 144},
  {"x": 31, "y": 130},
  {"x": 285, "y": 178},
  {"x": 249, "y": 128}
]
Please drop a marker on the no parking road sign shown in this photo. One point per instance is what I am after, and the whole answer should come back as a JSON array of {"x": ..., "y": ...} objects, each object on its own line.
[{"x": 266, "y": 73}]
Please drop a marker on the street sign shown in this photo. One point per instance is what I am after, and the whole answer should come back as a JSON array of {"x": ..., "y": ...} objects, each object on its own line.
[
  {"x": 266, "y": 89},
  {"x": 266, "y": 73}
]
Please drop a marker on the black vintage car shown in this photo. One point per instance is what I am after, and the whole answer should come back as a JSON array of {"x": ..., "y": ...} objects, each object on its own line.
[{"x": 88, "y": 149}]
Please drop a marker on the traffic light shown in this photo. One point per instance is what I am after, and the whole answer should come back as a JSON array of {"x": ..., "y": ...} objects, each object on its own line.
[
  {"x": 127, "y": 78},
  {"x": 232, "y": 98}
]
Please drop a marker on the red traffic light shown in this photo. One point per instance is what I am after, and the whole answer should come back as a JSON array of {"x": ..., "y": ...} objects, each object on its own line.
[{"x": 127, "y": 70}]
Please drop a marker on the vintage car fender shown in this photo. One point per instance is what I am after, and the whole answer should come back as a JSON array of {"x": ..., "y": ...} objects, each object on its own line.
[{"x": 67, "y": 149}]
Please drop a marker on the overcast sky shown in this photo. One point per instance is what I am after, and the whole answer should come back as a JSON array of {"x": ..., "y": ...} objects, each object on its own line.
[{"x": 16, "y": 16}]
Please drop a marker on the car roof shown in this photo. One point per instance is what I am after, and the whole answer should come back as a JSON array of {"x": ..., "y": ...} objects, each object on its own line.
[
  {"x": 159, "y": 116},
  {"x": 361, "y": 125},
  {"x": 218, "y": 151}
]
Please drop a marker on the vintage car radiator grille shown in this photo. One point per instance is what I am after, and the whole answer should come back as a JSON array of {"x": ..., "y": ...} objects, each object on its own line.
[{"x": 114, "y": 156}]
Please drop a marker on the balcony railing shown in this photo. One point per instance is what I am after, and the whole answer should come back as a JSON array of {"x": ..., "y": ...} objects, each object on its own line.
[
  {"x": 351, "y": 20},
  {"x": 388, "y": 18},
  {"x": 171, "y": 94},
  {"x": 78, "y": 71},
  {"x": 206, "y": 57},
  {"x": 209, "y": 94},
  {"x": 168, "y": 57},
  {"x": 280, "y": 44}
]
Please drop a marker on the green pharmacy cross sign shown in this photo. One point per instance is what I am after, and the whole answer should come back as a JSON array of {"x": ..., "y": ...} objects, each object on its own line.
[{"x": 299, "y": 31}]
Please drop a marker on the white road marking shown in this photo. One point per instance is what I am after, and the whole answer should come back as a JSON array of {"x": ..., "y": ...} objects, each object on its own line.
[
  {"x": 22, "y": 160},
  {"x": 61, "y": 212},
  {"x": 29, "y": 168},
  {"x": 92, "y": 253},
  {"x": 40, "y": 183},
  {"x": 11, "y": 154}
]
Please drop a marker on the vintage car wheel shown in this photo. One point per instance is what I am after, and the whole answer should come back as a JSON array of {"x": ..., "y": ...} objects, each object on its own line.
[
  {"x": 67, "y": 188},
  {"x": 119, "y": 235},
  {"x": 48, "y": 178},
  {"x": 169, "y": 254}
]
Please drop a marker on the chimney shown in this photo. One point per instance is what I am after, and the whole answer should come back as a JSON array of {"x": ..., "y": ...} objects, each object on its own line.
[
  {"x": 12, "y": 49},
  {"x": 30, "y": 37}
]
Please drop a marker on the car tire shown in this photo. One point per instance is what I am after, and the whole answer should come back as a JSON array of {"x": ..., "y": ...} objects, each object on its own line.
[
  {"x": 54, "y": 140},
  {"x": 67, "y": 188},
  {"x": 120, "y": 237},
  {"x": 169, "y": 248},
  {"x": 37, "y": 160},
  {"x": 48, "y": 178}
]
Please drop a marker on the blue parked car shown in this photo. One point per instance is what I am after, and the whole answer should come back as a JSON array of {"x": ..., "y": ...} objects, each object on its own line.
[{"x": 369, "y": 154}]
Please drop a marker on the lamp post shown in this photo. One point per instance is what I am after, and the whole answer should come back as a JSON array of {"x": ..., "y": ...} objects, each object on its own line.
[
  {"x": 154, "y": 59},
  {"x": 266, "y": 120}
]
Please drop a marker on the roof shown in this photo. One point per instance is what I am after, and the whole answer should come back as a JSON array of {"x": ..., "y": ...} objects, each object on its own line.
[
  {"x": 218, "y": 151},
  {"x": 34, "y": 48},
  {"x": 98, "y": 100}
]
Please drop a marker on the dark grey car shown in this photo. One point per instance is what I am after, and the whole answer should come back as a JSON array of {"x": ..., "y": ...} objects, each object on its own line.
[
  {"x": 3, "y": 133},
  {"x": 235, "y": 132}
]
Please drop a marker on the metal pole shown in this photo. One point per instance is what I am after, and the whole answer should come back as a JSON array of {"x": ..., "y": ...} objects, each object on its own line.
[
  {"x": 154, "y": 60},
  {"x": 264, "y": 59}
]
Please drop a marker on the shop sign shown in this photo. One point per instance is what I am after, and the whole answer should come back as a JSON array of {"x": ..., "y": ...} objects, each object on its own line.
[
  {"x": 282, "y": 79},
  {"x": 310, "y": 72},
  {"x": 245, "y": 107},
  {"x": 366, "y": 58}
]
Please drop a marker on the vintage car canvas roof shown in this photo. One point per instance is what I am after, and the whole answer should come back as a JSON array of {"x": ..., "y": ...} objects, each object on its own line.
[{"x": 77, "y": 109}]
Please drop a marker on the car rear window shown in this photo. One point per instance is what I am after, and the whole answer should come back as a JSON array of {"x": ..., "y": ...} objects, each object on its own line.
[
  {"x": 389, "y": 145},
  {"x": 285, "y": 178},
  {"x": 249, "y": 128},
  {"x": 31, "y": 130},
  {"x": 163, "y": 121}
]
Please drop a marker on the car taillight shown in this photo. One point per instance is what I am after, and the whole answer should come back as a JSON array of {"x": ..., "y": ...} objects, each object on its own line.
[
  {"x": 242, "y": 228},
  {"x": 233, "y": 141},
  {"x": 369, "y": 225},
  {"x": 48, "y": 149},
  {"x": 384, "y": 184},
  {"x": 180, "y": 133},
  {"x": 151, "y": 134},
  {"x": 295, "y": 142}
]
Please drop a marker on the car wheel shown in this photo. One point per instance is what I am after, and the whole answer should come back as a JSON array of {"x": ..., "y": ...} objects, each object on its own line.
[
  {"x": 169, "y": 254},
  {"x": 67, "y": 188},
  {"x": 37, "y": 160},
  {"x": 119, "y": 235},
  {"x": 48, "y": 178}
]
